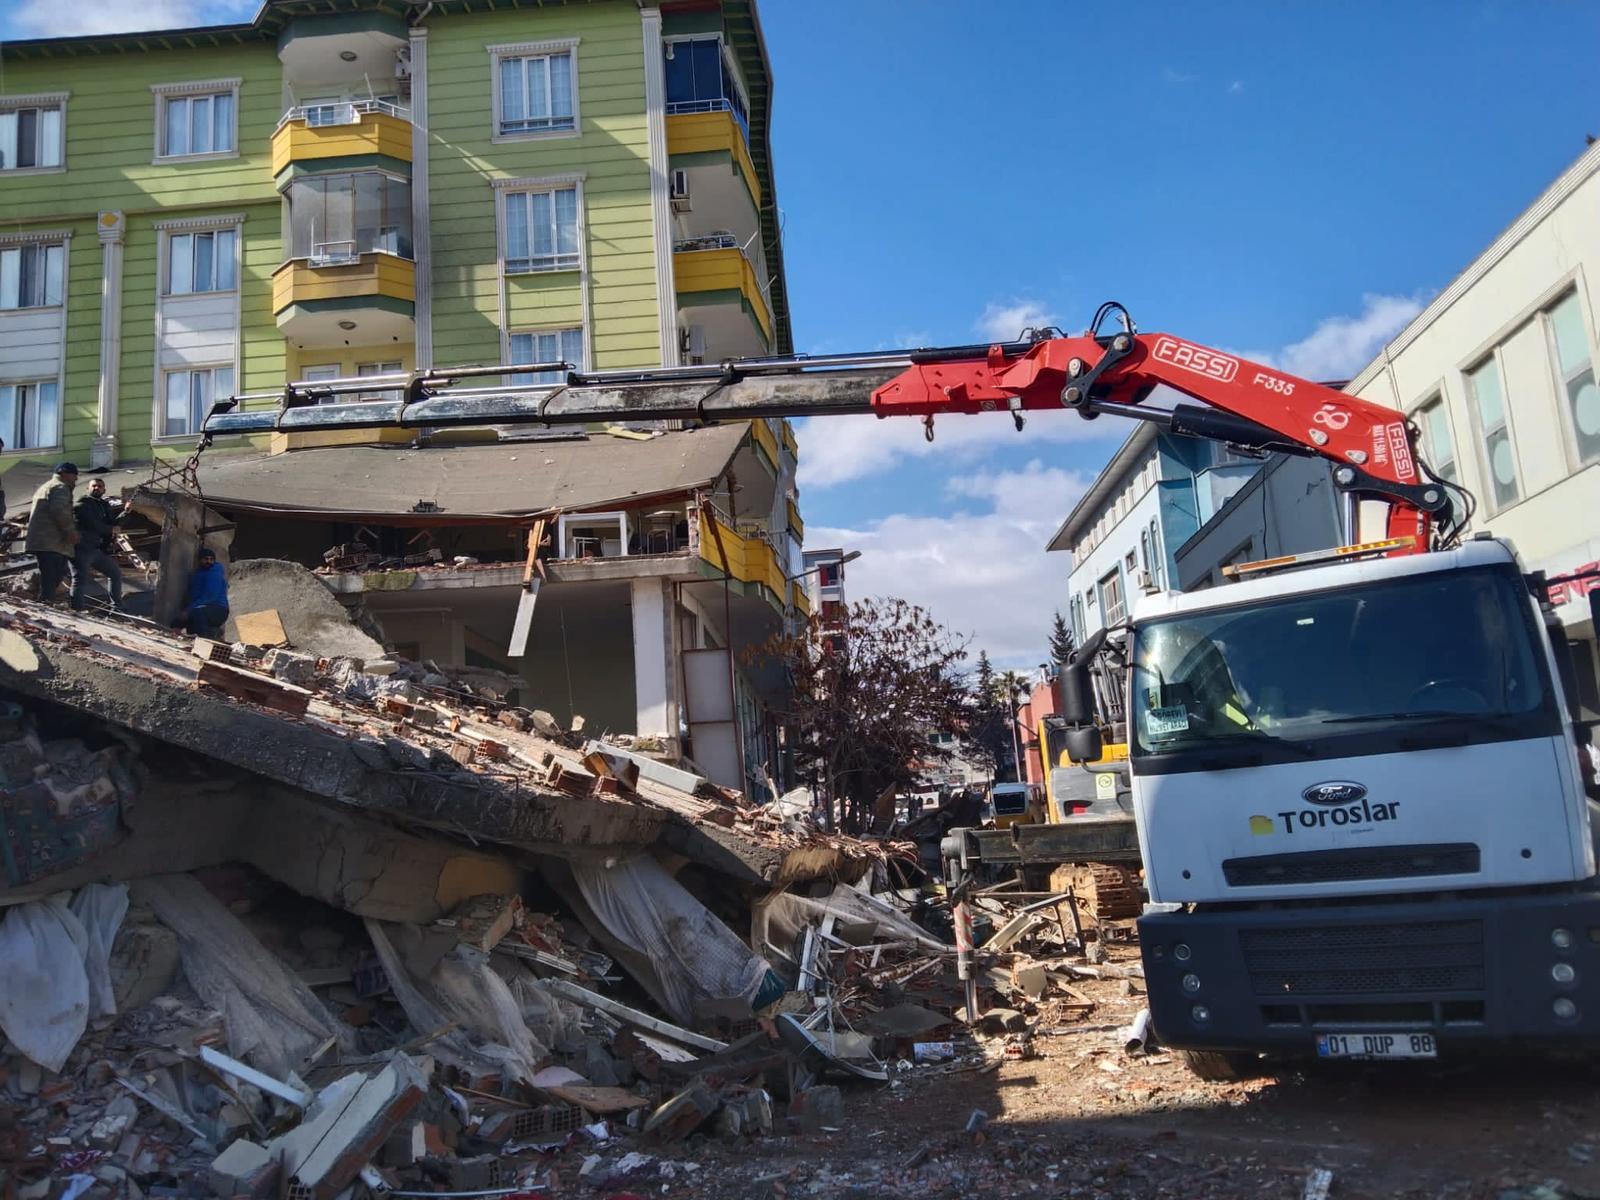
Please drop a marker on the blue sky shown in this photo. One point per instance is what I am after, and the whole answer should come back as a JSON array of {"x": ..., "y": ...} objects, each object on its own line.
[{"x": 1287, "y": 180}]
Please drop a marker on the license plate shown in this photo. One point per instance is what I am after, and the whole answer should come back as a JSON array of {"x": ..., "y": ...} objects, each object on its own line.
[{"x": 1377, "y": 1045}]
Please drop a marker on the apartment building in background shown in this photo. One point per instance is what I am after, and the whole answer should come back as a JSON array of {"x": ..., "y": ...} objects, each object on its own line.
[
  {"x": 1498, "y": 374},
  {"x": 352, "y": 189}
]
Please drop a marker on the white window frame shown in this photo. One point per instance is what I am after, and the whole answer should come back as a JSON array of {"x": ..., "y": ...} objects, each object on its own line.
[
  {"x": 1560, "y": 381},
  {"x": 47, "y": 101},
  {"x": 1436, "y": 403},
  {"x": 13, "y": 446},
  {"x": 534, "y": 331},
  {"x": 206, "y": 231},
  {"x": 589, "y": 519},
  {"x": 730, "y": 61},
  {"x": 1481, "y": 435},
  {"x": 197, "y": 90},
  {"x": 508, "y": 191},
  {"x": 1109, "y": 616},
  {"x": 525, "y": 50},
  {"x": 44, "y": 241},
  {"x": 190, "y": 369},
  {"x": 387, "y": 367}
]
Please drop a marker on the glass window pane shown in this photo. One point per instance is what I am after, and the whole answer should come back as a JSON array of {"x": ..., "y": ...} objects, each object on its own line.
[
  {"x": 8, "y": 140},
  {"x": 226, "y": 266},
  {"x": 567, "y": 221},
  {"x": 680, "y": 74},
  {"x": 200, "y": 125},
  {"x": 204, "y": 277},
  {"x": 177, "y": 126},
  {"x": 177, "y": 410},
  {"x": 561, "y": 85},
  {"x": 517, "y": 232},
  {"x": 223, "y": 383},
  {"x": 707, "y": 67},
  {"x": 538, "y": 89},
  {"x": 513, "y": 103},
  {"x": 10, "y": 278},
  {"x": 572, "y": 346},
  {"x": 222, "y": 122},
  {"x": 543, "y": 236},
  {"x": 28, "y": 137},
  {"x": 48, "y": 410},
  {"x": 28, "y": 281},
  {"x": 54, "y": 262},
  {"x": 1486, "y": 391},
  {"x": 50, "y": 137},
  {"x": 180, "y": 259},
  {"x": 8, "y": 414},
  {"x": 1572, "y": 344}
]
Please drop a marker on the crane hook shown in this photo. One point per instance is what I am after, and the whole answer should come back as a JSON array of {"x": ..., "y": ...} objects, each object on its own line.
[{"x": 927, "y": 427}]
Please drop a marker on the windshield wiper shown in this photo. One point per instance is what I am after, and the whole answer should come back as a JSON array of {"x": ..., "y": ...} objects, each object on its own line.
[
  {"x": 1253, "y": 738},
  {"x": 1427, "y": 714}
]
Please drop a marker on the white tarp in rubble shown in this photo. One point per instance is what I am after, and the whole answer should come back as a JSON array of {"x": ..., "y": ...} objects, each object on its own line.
[
  {"x": 695, "y": 956},
  {"x": 461, "y": 989},
  {"x": 273, "y": 1020},
  {"x": 44, "y": 989},
  {"x": 100, "y": 907},
  {"x": 781, "y": 919}
]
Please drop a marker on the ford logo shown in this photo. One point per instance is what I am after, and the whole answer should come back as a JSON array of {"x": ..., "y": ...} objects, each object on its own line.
[{"x": 1333, "y": 793}]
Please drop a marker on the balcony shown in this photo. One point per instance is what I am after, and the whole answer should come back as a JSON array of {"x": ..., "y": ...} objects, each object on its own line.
[
  {"x": 709, "y": 127},
  {"x": 316, "y": 133},
  {"x": 720, "y": 293},
  {"x": 334, "y": 298}
]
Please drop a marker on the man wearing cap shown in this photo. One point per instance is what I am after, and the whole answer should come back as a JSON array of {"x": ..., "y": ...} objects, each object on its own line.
[
  {"x": 97, "y": 526},
  {"x": 207, "y": 610},
  {"x": 52, "y": 529}
]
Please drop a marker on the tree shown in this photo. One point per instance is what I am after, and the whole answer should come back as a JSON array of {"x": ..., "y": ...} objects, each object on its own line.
[
  {"x": 867, "y": 692},
  {"x": 1060, "y": 641},
  {"x": 986, "y": 733},
  {"x": 1009, "y": 688}
]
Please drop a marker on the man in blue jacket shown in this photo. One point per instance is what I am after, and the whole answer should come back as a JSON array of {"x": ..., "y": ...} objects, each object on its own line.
[{"x": 207, "y": 609}]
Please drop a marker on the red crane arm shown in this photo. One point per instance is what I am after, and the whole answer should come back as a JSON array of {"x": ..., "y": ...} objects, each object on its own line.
[{"x": 1265, "y": 408}]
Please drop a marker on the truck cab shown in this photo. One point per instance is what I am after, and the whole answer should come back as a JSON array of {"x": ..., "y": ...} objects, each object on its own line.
[{"x": 1361, "y": 814}]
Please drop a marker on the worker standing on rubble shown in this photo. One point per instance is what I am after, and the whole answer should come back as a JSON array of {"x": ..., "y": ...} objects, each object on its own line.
[
  {"x": 52, "y": 532},
  {"x": 207, "y": 609},
  {"x": 97, "y": 526}
]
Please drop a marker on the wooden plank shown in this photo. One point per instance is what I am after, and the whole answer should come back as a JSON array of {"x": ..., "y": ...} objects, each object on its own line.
[
  {"x": 596, "y": 1099},
  {"x": 264, "y": 628},
  {"x": 256, "y": 689}
]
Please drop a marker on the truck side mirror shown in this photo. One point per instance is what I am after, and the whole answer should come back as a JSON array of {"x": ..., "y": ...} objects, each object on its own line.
[
  {"x": 1077, "y": 692},
  {"x": 1083, "y": 744}
]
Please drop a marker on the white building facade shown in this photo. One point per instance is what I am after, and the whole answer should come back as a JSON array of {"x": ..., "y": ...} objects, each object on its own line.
[{"x": 1498, "y": 374}]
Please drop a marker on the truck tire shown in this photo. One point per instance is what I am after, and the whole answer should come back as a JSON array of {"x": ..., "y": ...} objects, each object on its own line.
[{"x": 1221, "y": 1066}]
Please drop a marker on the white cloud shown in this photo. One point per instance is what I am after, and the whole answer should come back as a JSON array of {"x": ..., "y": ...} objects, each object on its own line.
[
  {"x": 1172, "y": 75},
  {"x": 1003, "y": 322},
  {"x": 1236, "y": 88},
  {"x": 53, "y": 18},
  {"x": 835, "y": 450},
  {"x": 1340, "y": 346},
  {"x": 983, "y": 573}
]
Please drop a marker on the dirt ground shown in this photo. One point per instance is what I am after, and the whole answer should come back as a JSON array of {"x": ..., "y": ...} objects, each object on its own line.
[{"x": 1082, "y": 1119}]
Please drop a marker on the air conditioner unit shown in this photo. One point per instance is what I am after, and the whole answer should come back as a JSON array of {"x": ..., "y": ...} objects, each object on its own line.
[
  {"x": 1146, "y": 584},
  {"x": 680, "y": 190}
]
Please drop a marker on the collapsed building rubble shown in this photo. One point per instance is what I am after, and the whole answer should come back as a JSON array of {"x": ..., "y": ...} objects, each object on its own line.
[{"x": 369, "y": 933}]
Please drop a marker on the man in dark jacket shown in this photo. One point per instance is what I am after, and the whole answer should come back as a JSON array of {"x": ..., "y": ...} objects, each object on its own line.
[
  {"x": 207, "y": 610},
  {"x": 97, "y": 526},
  {"x": 52, "y": 533}
]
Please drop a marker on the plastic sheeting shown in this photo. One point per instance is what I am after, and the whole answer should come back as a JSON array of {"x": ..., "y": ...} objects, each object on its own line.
[
  {"x": 781, "y": 919},
  {"x": 273, "y": 1020},
  {"x": 555, "y": 1022},
  {"x": 694, "y": 955},
  {"x": 100, "y": 907},
  {"x": 44, "y": 988},
  {"x": 461, "y": 988}
]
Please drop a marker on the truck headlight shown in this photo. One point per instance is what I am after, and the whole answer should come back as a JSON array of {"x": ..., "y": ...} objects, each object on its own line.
[
  {"x": 1563, "y": 972},
  {"x": 1181, "y": 952},
  {"x": 1561, "y": 939},
  {"x": 1564, "y": 1008},
  {"x": 1191, "y": 983},
  {"x": 1202, "y": 1014}
]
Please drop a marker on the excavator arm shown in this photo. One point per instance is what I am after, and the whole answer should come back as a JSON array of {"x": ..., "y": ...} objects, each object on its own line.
[{"x": 1245, "y": 404}]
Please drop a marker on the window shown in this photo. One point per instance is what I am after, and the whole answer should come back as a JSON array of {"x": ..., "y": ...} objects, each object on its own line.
[
  {"x": 189, "y": 396},
  {"x": 30, "y": 138},
  {"x": 1112, "y": 610},
  {"x": 1131, "y": 562},
  {"x": 1078, "y": 631},
  {"x": 542, "y": 230},
  {"x": 201, "y": 262},
  {"x": 30, "y": 415},
  {"x": 334, "y": 219},
  {"x": 700, "y": 78},
  {"x": 1569, "y": 344},
  {"x": 31, "y": 274},
  {"x": 829, "y": 574},
  {"x": 535, "y": 93},
  {"x": 380, "y": 368},
  {"x": 1158, "y": 558},
  {"x": 1488, "y": 397},
  {"x": 319, "y": 374},
  {"x": 193, "y": 125},
  {"x": 1437, "y": 444},
  {"x": 555, "y": 345}
]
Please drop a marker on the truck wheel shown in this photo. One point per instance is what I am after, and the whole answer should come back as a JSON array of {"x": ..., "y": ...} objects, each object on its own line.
[{"x": 1222, "y": 1066}]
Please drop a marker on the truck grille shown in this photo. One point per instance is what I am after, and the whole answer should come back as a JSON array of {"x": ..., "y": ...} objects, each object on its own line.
[
  {"x": 1423, "y": 956},
  {"x": 1344, "y": 866}
]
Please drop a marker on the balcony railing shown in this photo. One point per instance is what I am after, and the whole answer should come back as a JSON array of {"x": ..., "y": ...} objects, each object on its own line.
[
  {"x": 342, "y": 113},
  {"x": 721, "y": 240},
  {"x": 333, "y": 254}
]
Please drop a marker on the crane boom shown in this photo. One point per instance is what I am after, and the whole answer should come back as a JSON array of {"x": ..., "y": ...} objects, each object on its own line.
[{"x": 1246, "y": 404}]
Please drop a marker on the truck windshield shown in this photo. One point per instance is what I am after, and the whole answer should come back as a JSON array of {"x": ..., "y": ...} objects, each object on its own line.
[
  {"x": 1435, "y": 659},
  {"x": 1010, "y": 802}
]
